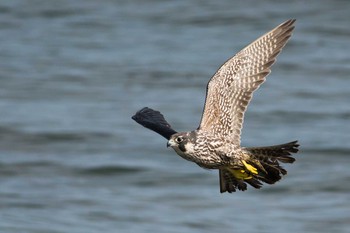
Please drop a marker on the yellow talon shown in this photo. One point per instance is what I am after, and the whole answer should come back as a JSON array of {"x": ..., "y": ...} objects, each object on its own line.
[
  {"x": 240, "y": 174},
  {"x": 250, "y": 167}
]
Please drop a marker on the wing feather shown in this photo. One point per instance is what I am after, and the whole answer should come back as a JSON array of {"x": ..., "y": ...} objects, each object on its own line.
[
  {"x": 155, "y": 121},
  {"x": 231, "y": 88}
]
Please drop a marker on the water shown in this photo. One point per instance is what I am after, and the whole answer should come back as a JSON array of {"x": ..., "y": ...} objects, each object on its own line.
[{"x": 73, "y": 72}]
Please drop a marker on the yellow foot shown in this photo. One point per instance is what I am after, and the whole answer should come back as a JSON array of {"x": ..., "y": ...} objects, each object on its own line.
[
  {"x": 240, "y": 174},
  {"x": 250, "y": 168}
]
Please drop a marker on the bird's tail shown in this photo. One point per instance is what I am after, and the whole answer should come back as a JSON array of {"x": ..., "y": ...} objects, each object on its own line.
[{"x": 263, "y": 165}]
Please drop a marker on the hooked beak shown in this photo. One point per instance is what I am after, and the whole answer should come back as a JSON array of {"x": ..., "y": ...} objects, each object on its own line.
[{"x": 170, "y": 143}]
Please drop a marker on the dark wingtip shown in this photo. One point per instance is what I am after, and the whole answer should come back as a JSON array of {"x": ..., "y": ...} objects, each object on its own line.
[
  {"x": 140, "y": 113},
  {"x": 154, "y": 121}
]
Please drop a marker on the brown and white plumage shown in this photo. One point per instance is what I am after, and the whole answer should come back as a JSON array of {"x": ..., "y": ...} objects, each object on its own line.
[
  {"x": 215, "y": 144},
  {"x": 231, "y": 88}
]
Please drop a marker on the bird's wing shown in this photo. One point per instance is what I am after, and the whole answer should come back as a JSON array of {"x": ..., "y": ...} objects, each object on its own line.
[
  {"x": 230, "y": 90},
  {"x": 155, "y": 121}
]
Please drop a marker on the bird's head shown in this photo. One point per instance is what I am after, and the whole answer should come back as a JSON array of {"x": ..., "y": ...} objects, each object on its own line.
[{"x": 182, "y": 141}]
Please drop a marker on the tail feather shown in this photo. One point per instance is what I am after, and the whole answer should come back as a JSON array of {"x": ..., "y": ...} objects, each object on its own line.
[
  {"x": 265, "y": 160},
  {"x": 255, "y": 183},
  {"x": 273, "y": 173},
  {"x": 280, "y": 152},
  {"x": 270, "y": 157}
]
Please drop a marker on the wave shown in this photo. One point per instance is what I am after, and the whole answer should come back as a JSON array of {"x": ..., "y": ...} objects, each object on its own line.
[
  {"x": 110, "y": 170},
  {"x": 27, "y": 167},
  {"x": 328, "y": 151},
  {"x": 11, "y": 134}
]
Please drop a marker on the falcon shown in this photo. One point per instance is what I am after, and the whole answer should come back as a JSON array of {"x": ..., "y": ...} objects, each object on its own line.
[{"x": 216, "y": 143}]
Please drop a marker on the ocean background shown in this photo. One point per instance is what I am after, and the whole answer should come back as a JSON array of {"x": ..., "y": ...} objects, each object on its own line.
[{"x": 72, "y": 73}]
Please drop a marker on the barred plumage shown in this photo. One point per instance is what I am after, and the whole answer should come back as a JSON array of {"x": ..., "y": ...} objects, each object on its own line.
[{"x": 216, "y": 142}]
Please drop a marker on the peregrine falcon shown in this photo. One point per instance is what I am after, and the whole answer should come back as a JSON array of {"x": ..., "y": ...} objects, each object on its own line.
[{"x": 215, "y": 144}]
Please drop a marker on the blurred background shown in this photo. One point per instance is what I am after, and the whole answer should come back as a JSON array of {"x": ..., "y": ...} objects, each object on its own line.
[{"x": 72, "y": 73}]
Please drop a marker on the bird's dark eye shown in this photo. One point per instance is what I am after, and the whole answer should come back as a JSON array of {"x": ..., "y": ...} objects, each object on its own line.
[{"x": 178, "y": 139}]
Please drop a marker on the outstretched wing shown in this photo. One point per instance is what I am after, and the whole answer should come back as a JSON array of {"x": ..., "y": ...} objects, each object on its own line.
[
  {"x": 155, "y": 121},
  {"x": 230, "y": 90}
]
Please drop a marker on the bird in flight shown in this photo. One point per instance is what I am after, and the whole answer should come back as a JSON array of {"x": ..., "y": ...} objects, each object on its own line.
[{"x": 215, "y": 144}]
